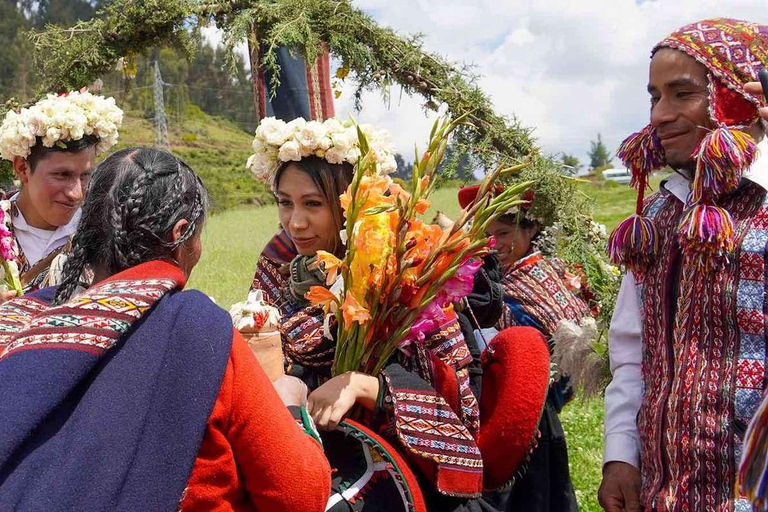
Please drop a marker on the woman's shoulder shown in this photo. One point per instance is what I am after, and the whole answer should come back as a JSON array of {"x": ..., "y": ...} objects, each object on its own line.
[{"x": 195, "y": 308}]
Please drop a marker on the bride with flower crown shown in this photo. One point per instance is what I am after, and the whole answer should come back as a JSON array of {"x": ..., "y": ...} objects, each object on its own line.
[{"x": 415, "y": 444}]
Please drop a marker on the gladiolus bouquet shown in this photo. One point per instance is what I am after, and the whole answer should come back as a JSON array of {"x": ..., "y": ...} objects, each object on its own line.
[{"x": 400, "y": 276}]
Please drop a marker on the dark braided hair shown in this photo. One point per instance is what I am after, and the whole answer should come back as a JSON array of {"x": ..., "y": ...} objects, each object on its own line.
[{"x": 135, "y": 198}]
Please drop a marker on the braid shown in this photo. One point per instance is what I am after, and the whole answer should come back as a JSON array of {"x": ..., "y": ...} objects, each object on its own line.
[
  {"x": 119, "y": 236},
  {"x": 73, "y": 271},
  {"x": 127, "y": 251},
  {"x": 134, "y": 200}
]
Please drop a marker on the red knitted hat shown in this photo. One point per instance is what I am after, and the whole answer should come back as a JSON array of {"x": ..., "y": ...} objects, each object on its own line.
[
  {"x": 467, "y": 196},
  {"x": 515, "y": 383}
]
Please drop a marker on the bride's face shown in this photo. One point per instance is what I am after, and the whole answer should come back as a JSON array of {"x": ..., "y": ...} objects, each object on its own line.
[{"x": 304, "y": 212}]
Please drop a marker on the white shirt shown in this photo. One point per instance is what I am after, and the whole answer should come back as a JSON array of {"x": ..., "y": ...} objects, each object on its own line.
[
  {"x": 38, "y": 243},
  {"x": 625, "y": 392}
]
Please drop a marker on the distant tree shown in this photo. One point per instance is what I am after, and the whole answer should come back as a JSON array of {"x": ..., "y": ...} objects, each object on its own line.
[
  {"x": 404, "y": 169},
  {"x": 14, "y": 61},
  {"x": 571, "y": 164},
  {"x": 598, "y": 153},
  {"x": 59, "y": 12}
]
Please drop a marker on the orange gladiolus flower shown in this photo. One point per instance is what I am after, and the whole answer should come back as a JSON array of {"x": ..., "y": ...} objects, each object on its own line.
[
  {"x": 331, "y": 265},
  {"x": 353, "y": 311},
  {"x": 321, "y": 296},
  {"x": 422, "y": 205},
  {"x": 396, "y": 191},
  {"x": 345, "y": 200}
]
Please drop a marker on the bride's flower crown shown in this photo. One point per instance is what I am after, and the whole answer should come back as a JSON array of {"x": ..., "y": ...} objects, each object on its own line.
[
  {"x": 277, "y": 142},
  {"x": 57, "y": 119}
]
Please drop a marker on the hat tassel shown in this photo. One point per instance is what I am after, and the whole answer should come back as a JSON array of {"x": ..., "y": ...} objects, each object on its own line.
[
  {"x": 635, "y": 242},
  {"x": 706, "y": 234},
  {"x": 721, "y": 159}
]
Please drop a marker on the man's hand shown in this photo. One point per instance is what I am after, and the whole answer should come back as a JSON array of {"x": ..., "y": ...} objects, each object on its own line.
[
  {"x": 756, "y": 89},
  {"x": 620, "y": 489}
]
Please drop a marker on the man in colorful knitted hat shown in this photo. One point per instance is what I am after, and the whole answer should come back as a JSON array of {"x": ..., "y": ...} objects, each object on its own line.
[
  {"x": 688, "y": 338},
  {"x": 52, "y": 146}
]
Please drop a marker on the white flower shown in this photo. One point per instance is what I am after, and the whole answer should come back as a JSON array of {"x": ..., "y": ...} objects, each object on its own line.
[
  {"x": 310, "y": 135},
  {"x": 262, "y": 165},
  {"x": 290, "y": 151},
  {"x": 335, "y": 155},
  {"x": 332, "y": 140},
  {"x": 345, "y": 140},
  {"x": 332, "y": 126},
  {"x": 353, "y": 155},
  {"x": 389, "y": 164},
  {"x": 245, "y": 315},
  {"x": 272, "y": 131}
]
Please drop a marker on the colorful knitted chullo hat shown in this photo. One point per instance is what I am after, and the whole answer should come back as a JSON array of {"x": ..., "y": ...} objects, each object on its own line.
[{"x": 733, "y": 52}]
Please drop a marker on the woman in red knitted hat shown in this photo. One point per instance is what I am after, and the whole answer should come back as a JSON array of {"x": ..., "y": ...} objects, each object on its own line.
[{"x": 539, "y": 293}]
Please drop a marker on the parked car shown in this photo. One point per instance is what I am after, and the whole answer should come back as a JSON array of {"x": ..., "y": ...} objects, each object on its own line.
[{"x": 620, "y": 175}]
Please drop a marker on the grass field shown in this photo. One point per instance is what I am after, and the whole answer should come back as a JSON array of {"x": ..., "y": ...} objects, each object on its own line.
[{"x": 233, "y": 240}]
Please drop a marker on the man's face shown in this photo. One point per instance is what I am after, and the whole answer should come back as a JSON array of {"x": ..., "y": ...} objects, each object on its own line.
[
  {"x": 56, "y": 186},
  {"x": 679, "y": 103}
]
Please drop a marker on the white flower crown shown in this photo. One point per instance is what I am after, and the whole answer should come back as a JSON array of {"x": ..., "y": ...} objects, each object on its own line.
[
  {"x": 277, "y": 141},
  {"x": 58, "y": 119}
]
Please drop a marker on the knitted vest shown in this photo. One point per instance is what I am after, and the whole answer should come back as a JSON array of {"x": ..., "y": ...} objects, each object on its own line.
[{"x": 704, "y": 351}]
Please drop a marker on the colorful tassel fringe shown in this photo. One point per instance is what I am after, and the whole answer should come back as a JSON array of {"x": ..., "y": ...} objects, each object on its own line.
[
  {"x": 706, "y": 234},
  {"x": 634, "y": 243},
  {"x": 753, "y": 472},
  {"x": 642, "y": 154},
  {"x": 721, "y": 159}
]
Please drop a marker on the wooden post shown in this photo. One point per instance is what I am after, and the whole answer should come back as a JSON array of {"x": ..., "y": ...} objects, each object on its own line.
[{"x": 254, "y": 54}]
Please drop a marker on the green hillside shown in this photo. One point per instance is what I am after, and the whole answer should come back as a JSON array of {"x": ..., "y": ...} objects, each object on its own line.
[{"x": 215, "y": 148}]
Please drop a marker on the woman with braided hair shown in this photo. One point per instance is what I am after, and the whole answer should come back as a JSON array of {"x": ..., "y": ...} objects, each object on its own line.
[{"x": 125, "y": 392}]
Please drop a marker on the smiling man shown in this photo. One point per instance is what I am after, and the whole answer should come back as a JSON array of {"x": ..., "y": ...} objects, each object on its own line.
[
  {"x": 53, "y": 145},
  {"x": 688, "y": 338}
]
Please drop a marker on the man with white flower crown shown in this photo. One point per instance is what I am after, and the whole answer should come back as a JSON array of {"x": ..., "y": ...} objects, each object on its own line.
[{"x": 52, "y": 145}]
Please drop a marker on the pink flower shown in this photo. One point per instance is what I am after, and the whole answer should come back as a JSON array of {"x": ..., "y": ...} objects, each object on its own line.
[
  {"x": 7, "y": 247},
  {"x": 460, "y": 285},
  {"x": 428, "y": 320}
]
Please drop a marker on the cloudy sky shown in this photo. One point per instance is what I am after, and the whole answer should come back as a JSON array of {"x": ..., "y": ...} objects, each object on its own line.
[{"x": 567, "y": 68}]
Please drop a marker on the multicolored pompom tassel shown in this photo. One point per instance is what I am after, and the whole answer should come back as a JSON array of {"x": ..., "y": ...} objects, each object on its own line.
[
  {"x": 635, "y": 242},
  {"x": 642, "y": 154},
  {"x": 706, "y": 234},
  {"x": 753, "y": 472},
  {"x": 721, "y": 159}
]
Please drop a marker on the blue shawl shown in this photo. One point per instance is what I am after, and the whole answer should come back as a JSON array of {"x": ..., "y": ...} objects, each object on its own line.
[{"x": 107, "y": 397}]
